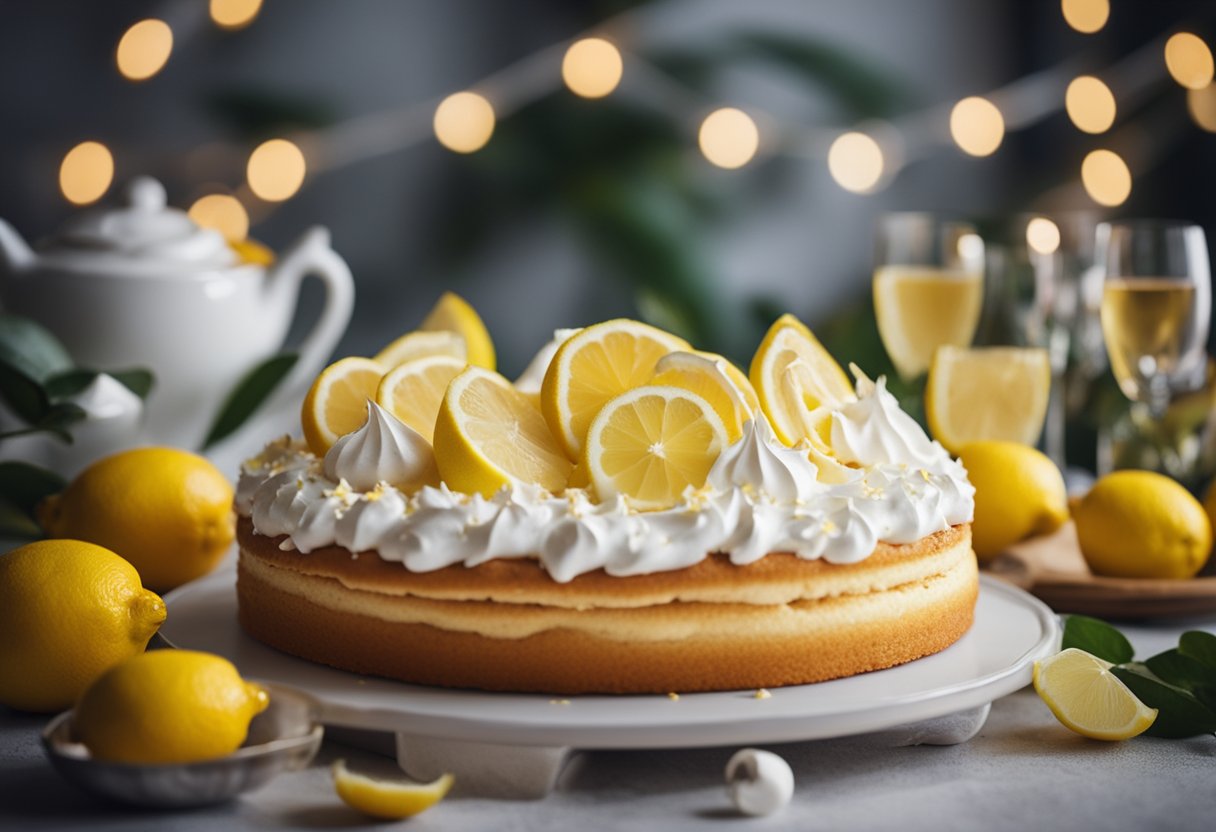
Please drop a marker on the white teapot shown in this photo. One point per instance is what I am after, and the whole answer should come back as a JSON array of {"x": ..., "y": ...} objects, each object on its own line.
[{"x": 144, "y": 286}]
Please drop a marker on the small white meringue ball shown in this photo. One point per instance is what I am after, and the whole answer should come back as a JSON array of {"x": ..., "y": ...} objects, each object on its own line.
[{"x": 759, "y": 782}]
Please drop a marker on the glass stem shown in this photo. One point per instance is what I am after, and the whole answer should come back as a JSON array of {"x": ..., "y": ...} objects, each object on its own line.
[{"x": 1158, "y": 395}]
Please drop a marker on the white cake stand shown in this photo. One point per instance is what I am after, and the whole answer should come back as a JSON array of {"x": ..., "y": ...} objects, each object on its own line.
[{"x": 516, "y": 744}]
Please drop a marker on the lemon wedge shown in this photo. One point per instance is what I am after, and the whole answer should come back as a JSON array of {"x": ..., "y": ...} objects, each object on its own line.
[
  {"x": 384, "y": 799},
  {"x": 489, "y": 435},
  {"x": 414, "y": 345},
  {"x": 452, "y": 313},
  {"x": 336, "y": 403},
  {"x": 987, "y": 393},
  {"x": 1089, "y": 699},
  {"x": 793, "y": 375},
  {"x": 707, "y": 375},
  {"x": 594, "y": 365},
  {"x": 651, "y": 443},
  {"x": 413, "y": 391}
]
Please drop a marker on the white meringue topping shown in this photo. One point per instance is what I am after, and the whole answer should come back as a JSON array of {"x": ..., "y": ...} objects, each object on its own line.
[{"x": 384, "y": 450}]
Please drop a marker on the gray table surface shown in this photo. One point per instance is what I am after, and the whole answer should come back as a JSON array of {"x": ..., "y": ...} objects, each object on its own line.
[{"x": 1023, "y": 772}]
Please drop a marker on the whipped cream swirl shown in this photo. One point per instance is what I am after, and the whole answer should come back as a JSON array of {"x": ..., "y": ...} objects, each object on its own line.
[
  {"x": 384, "y": 450},
  {"x": 760, "y": 497}
]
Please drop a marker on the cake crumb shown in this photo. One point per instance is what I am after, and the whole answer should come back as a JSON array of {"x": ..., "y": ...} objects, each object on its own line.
[
  {"x": 559, "y": 701},
  {"x": 762, "y": 693},
  {"x": 673, "y": 696}
]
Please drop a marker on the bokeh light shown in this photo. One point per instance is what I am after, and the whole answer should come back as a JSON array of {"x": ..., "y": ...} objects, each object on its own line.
[
  {"x": 144, "y": 49},
  {"x": 1189, "y": 60},
  {"x": 855, "y": 162},
  {"x": 1086, "y": 16},
  {"x": 234, "y": 14},
  {"x": 1106, "y": 178},
  {"x": 1090, "y": 104},
  {"x": 276, "y": 170},
  {"x": 1202, "y": 106},
  {"x": 224, "y": 213},
  {"x": 977, "y": 126},
  {"x": 86, "y": 173},
  {"x": 464, "y": 122},
  {"x": 592, "y": 68},
  {"x": 729, "y": 138},
  {"x": 1042, "y": 235}
]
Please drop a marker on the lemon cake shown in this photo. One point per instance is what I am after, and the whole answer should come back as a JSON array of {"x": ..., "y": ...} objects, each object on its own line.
[{"x": 668, "y": 525}]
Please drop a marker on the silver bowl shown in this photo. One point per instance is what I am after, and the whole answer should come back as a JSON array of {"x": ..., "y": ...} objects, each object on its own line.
[{"x": 284, "y": 737}]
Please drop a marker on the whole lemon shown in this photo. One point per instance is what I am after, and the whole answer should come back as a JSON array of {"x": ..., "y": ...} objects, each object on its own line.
[
  {"x": 167, "y": 511},
  {"x": 1140, "y": 524},
  {"x": 168, "y": 706},
  {"x": 69, "y": 611},
  {"x": 1019, "y": 493}
]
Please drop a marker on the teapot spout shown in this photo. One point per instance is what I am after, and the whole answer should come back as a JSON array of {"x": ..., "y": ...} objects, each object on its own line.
[{"x": 15, "y": 254}]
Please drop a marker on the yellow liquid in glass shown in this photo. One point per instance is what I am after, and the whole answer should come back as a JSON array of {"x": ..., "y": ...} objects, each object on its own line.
[
  {"x": 1149, "y": 325},
  {"x": 920, "y": 309}
]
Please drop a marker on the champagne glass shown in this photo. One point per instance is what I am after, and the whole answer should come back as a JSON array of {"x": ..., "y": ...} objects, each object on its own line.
[
  {"x": 1156, "y": 305},
  {"x": 928, "y": 288}
]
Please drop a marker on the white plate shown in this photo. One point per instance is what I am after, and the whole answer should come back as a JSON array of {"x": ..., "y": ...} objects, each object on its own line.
[{"x": 1011, "y": 630}]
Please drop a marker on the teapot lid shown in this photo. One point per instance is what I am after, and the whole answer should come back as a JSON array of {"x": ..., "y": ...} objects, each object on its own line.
[{"x": 145, "y": 230}]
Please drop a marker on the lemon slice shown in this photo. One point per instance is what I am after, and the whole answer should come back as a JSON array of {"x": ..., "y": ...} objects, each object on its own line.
[
  {"x": 384, "y": 799},
  {"x": 414, "y": 345},
  {"x": 706, "y": 375},
  {"x": 987, "y": 393},
  {"x": 793, "y": 376},
  {"x": 1089, "y": 699},
  {"x": 651, "y": 443},
  {"x": 336, "y": 403},
  {"x": 594, "y": 365},
  {"x": 413, "y": 391},
  {"x": 452, "y": 313},
  {"x": 489, "y": 435}
]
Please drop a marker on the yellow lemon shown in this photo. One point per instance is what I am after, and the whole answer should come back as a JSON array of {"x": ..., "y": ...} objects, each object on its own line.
[
  {"x": 69, "y": 611},
  {"x": 251, "y": 251},
  {"x": 336, "y": 404},
  {"x": 166, "y": 511},
  {"x": 388, "y": 800},
  {"x": 415, "y": 345},
  {"x": 167, "y": 706},
  {"x": 707, "y": 375},
  {"x": 1087, "y": 698},
  {"x": 413, "y": 391},
  {"x": 1019, "y": 493},
  {"x": 1140, "y": 524},
  {"x": 452, "y": 313}
]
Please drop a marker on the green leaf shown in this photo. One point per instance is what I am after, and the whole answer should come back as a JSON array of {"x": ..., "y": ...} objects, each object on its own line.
[
  {"x": 1096, "y": 638},
  {"x": 16, "y": 523},
  {"x": 138, "y": 380},
  {"x": 23, "y": 486},
  {"x": 1184, "y": 672},
  {"x": 23, "y": 395},
  {"x": 1180, "y": 713},
  {"x": 250, "y": 392},
  {"x": 31, "y": 349},
  {"x": 1199, "y": 646},
  {"x": 67, "y": 384}
]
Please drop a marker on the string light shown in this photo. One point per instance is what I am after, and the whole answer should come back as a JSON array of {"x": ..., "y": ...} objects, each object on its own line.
[
  {"x": 224, "y": 213},
  {"x": 276, "y": 170},
  {"x": 464, "y": 122},
  {"x": 1106, "y": 178},
  {"x": 1189, "y": 60},
  {"x": 729, "y": 138},
  {"x": 144, "y": 49},
  {"x": 1090, "y": 104},
  {"x": 86, "y": 173},
  {"x": 855, "y": 162},
  {"x": 234, "y": 14},
  {"x": 1202, "y": 106},
  {"x": 1043, "y": 235},
  {"x": 977, "y": 126},
  {"x": 592, "y": 68},
  {"x": 1086, "y": 16}
]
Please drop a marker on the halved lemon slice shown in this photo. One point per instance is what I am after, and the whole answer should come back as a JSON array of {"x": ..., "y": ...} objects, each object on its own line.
[
  {"x": 452, "y": 313},
  {"x": 414, "y": 391},
  {"x": 706, "y": 375},
  {"x": 651, "y": 443},
  {"x": 391, "y": 800},
  {"x": 336, "y": 403},
  {"x": 594, "y": 365},
  {"x": 987, "y": 393},
  {"x": 489, "y": 435},
  {"x": 1089, "y": 699},
  {"x": 414, "y": 345},
  {"x": 793, "y": 376}
]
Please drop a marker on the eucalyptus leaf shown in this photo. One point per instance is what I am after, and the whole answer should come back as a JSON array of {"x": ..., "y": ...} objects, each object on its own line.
[
  {"x": 1180, "y": 713},
  {"x": 23, "y": 486},
  {"x": 15, "y": 523},
  {"x": 248, "y": 394},
  {"x": 30, "y": 348},
  {"x": 23, "y": 395},
  {"x": 1199, "y": 646},
  {"x": 1096, "y": 638},
  {"x": 73, "y": 382}
]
